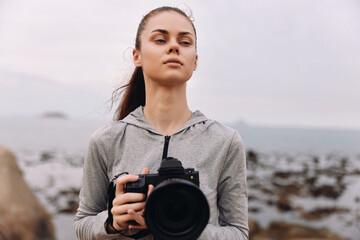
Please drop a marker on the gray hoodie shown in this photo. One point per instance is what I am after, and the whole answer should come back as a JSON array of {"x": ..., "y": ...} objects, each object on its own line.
[{"x": 132, "y": 144}]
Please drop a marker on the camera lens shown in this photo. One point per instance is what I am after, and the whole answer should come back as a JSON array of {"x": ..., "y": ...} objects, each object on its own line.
[
  {"x": 175, "y": 213},
  {"x": 176, "y": 209}
]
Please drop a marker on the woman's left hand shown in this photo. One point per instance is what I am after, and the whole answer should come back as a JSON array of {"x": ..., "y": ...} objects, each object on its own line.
[{"x": 139, "y": 215}]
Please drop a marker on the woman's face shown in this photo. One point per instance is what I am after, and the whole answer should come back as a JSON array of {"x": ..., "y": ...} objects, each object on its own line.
[{"x": 167, "y": 51}]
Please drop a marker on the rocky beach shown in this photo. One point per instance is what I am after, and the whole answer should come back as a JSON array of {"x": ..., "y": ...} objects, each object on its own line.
[
  {"x": 318, "y": 192},
  {"x": 304, "y": 192},
  {"x": 292, "y": 194}
]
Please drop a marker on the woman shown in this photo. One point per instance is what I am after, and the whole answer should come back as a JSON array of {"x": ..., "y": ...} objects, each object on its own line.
[{"x": 154, "y": 114}]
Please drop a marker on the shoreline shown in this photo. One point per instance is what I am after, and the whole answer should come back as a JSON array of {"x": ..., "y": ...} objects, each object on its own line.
[{"x": 301, "y": 189}]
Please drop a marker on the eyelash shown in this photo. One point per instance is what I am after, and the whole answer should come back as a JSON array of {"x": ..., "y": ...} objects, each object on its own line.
[
  {"x": 186, "y": 43},
  {"x": 161, "y": 41}
]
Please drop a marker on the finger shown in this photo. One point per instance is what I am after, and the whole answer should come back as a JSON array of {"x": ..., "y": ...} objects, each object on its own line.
[
  {"x": 123, "y": 209},
  {"x": 150, "y": 189},
  {"x": 145, "y": 171},
  {"x": 138, "y": 217},
  {"x": 128, "y": 198},
  {"x": 122, "y": 221},
  {"x": 122, "y": 180},
  {"x": 131, "y": 226}
]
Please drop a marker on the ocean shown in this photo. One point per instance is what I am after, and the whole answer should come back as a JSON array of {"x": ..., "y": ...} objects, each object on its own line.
[{"x": 318, "y": 168}]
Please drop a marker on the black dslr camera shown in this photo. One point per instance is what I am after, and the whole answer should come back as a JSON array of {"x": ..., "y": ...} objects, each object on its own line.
[
  {"x": 171, "y": 168},
  {"x": 176, "y": 208}
]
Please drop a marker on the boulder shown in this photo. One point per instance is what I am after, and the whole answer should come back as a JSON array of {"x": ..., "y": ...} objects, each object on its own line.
[
  {"x": 289, "y": 231},
  {"x": 22, "y": 217},
  {"x": 253, "y": 227}
]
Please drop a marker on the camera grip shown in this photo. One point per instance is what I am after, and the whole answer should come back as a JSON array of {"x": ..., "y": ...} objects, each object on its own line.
[{"x": 139, "y": 186}]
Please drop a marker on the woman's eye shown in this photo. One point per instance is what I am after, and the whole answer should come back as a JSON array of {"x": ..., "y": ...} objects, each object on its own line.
[
  {"x": 160, "y": 40},
  {"x": 185, "y": 43}
]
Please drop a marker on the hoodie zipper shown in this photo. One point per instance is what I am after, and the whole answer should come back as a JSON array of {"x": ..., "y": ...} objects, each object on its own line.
[{"x": 166, "y": 147}]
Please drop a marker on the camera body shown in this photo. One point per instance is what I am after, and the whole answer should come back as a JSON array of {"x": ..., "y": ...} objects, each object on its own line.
[{"x": 171, "y": 168}]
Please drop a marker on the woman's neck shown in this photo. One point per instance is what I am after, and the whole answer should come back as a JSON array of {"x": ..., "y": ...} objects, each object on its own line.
[{"x": 166, "y": 108}]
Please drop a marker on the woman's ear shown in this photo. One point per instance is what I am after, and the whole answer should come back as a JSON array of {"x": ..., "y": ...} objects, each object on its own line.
[
  {"x": 137, "y": 58},
  {"x": 195, "y": 62}
]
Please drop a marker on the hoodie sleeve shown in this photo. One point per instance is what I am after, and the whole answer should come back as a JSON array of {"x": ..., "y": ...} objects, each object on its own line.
[
  {"x": 232, "y": 196},
  {"x": 91, "y": 214}
]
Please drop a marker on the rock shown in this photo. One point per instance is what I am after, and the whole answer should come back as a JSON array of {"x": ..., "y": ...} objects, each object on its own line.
[
  {"x": 328, "y": 191},
  {"x": 252, "y": 159},
  {"x": 253, "y": 227},
  {"x": 284, "y": 204},
  {"x": 288, "y": 231},
  {"x": 322, "y": 212},
  {"x": 21, "y": 214}
]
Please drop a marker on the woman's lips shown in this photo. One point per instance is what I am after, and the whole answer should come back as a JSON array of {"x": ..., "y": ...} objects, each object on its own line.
[{"x": 173, "y": 62}]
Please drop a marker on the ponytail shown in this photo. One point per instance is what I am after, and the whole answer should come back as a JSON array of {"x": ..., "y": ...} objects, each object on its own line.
[{"x": 134, "y": 94}]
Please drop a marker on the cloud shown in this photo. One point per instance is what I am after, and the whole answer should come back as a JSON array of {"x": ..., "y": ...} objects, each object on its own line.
[{"x": 277, "y": 62}]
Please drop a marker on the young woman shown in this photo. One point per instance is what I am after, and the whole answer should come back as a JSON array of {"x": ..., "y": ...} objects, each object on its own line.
[{"x": 154, "y": 113}]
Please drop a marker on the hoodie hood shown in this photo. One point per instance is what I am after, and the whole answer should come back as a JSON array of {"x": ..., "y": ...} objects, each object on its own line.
[{"x": 138, "y": 119}]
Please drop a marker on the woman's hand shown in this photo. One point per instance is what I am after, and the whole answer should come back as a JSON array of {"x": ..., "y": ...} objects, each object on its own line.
[{"x": 128, "y": 208}]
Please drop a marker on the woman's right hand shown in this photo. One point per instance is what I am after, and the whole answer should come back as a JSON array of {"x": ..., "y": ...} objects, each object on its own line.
[{"x": 128, "y": 206}]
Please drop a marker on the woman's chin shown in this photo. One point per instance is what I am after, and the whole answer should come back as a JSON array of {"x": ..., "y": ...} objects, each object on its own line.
[{"x": 171, "y": 80}]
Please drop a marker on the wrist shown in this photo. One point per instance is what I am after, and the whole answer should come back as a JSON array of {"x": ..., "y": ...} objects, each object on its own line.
[{"x": 110, "y": 229}]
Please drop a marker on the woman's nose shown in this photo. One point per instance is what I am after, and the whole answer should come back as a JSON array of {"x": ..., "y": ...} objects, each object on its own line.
[{"x": 173, "y": 48}]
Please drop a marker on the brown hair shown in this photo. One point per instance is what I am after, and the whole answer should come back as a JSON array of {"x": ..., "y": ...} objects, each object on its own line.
[{"x": 134, "y": 91}]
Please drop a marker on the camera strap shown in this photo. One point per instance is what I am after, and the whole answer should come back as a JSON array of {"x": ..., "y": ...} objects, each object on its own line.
[
  {"x": 140, "y": 234},
  {"x": 110, "y": 220}
]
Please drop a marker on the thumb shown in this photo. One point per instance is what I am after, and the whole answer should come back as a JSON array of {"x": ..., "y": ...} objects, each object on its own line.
[
  {"x": 120, "y": 182},
  {"x": 145, "y": 171}
]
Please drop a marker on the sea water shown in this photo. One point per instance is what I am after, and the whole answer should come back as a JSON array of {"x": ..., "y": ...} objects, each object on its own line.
[{"x": 50, "y": 153}]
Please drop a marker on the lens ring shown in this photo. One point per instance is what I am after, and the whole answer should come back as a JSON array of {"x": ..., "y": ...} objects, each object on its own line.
[{"x": 176, "y": 209}]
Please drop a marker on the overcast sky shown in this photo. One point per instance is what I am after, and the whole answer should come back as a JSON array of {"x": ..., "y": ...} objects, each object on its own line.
[{"x": 279, "y": 62}]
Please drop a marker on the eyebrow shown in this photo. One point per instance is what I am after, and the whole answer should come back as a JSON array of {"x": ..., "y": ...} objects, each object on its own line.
[{"x": 166, "y": 32}]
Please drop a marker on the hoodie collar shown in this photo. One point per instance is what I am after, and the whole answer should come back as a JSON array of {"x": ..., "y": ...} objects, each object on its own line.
[{"x": 138, "y": 119}]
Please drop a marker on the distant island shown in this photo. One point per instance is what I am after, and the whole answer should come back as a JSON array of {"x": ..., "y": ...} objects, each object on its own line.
[{"x": 55, "y": 115}]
